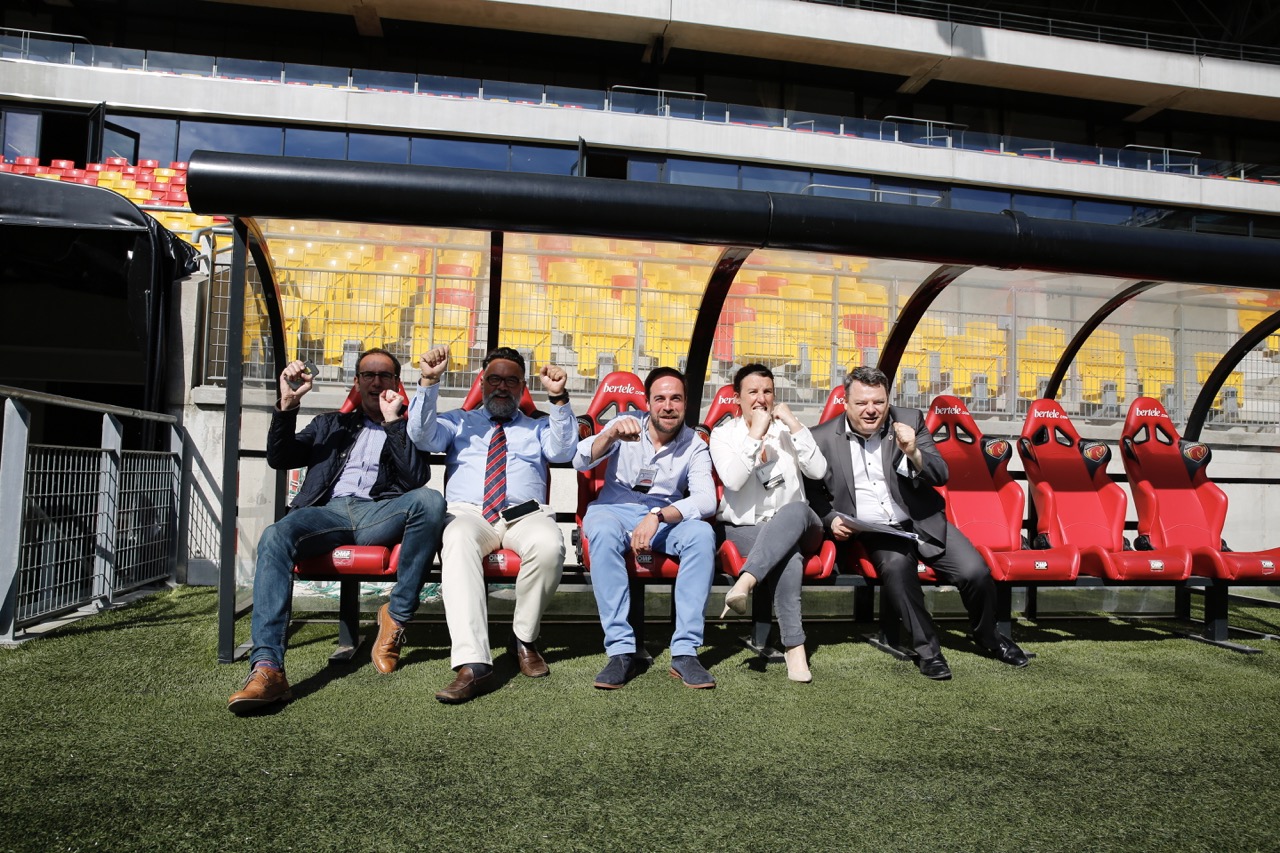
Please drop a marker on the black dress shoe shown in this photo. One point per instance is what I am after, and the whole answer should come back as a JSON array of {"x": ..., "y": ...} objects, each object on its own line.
[
  {"x": 935, "y": 668},
  {"x": 467, "y": 685},
  {"x": 1007, "y": 651}
]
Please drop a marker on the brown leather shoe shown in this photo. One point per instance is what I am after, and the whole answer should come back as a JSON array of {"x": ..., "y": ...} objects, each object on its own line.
[
  {"x": 530, "y": 659},
  {"x": 386, "y": 649},
  {"x": 466, "y": 686},
  {"x": 263, "y": 686}
]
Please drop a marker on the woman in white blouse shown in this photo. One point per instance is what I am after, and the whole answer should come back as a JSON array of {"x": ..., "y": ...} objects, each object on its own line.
[{"x": 760, "y": 458}]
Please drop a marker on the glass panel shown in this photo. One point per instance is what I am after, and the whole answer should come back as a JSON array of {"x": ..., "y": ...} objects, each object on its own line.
[
  {"x": 754, "y": 116},
  {"x": 813, "y": 122},
  {"x": 702, "y": 173},
  {"x": 643, "y": 170},
  {"x": 46, "y": 50},
  {"x": 461, "y": 154},
  {"x": 774, "y": 180},
  {"x": 544, "y": 160},
  {"x": 179, "y": 63},
  {"x": 694, "y": 108},
  {"x": 448, "y": 87},
  {"x": 377, "y": 148},
  {"x": 985, "y": 201},
  {"x": 314, "y": 75},
  {"x": 1042, "y": 206},
  {"x": 157, "y": 138},
  {"x": 21, "y": 135},
  {"x": 249, "y": 69},
  {"x": 1105, "y": 212},
  {"x": 602, "y": 305},
  {"x": 382, "y": 81},
  {"x": 837, "y": 185},
  {"x": 329, "y": 144},
  {"x": 586, "y": 99},
  {"x": 114, "y": 57},
  {"x": 516, "y": 93},
  {"x": 10, "y": 46},
  {"x": 235, "y": 138},
  {"x": 638, "y": 103}
]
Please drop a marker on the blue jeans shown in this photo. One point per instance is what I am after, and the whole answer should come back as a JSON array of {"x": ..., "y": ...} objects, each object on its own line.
[
  {"x": 414, "y": 519},
  {"x": 608, "y": 529}
]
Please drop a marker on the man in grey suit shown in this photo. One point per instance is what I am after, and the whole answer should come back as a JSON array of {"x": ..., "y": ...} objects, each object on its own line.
[{"x": 882, "y": 466}]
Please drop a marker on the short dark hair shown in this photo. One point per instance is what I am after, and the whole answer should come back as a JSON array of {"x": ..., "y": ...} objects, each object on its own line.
[
  {"x": 873, "y": 377},
  {"x": 506, "y": 354},
  {"x": 750, "y": 370},
  {"x": 661, "y": 373},
  {"x": 378, "y": 351}
]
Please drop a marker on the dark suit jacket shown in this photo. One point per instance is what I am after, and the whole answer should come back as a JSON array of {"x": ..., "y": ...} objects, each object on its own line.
[
  {"x": 322, "y": 447},
  {"x": 835, "y": 492}
]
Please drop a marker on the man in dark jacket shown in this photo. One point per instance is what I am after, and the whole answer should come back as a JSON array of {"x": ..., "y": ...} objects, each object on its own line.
[
  {"x": 882, "y": 466},
  {"x": 364, "y": 486}
]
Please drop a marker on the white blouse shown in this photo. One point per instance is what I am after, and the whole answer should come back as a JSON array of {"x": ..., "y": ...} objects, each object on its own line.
[{"x": 749, "y": 468}]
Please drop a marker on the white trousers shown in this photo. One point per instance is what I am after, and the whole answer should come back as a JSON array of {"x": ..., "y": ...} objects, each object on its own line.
[{"x": 467, "y": 539}]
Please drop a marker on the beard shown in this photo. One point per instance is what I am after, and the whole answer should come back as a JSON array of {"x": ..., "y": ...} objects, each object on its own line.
[{"x": 500, "y": 407}]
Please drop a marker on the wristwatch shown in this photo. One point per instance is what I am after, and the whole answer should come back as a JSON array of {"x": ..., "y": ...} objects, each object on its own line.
[
  {"x": 657, "y": 510},
  {"x": 562, "y": 397}
]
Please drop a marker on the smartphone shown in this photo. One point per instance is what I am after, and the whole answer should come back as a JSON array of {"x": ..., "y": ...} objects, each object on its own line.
[
  {"x": 513, "y": 514},
  {"x": 310, "y": 367}
]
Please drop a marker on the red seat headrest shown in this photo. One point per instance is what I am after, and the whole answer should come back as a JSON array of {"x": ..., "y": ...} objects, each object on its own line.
[
  {"x": 834, "y": 406},
  {"x": 1151, "y": 441},
  {"x": 724, "y": 405},
  {"x": 619, "y": 392}
]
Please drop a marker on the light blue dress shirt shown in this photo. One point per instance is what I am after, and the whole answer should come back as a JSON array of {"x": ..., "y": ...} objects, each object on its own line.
[
  {"x": 361, "y": 468},
  {"x": 463, "y": 436},
  {"x": 681, "y": 465}
]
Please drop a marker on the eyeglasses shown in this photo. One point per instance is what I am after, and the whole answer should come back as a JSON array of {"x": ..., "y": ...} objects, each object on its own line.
[
  {"x": 370, "y": 375},
  {"x": 493, "y": 380}
]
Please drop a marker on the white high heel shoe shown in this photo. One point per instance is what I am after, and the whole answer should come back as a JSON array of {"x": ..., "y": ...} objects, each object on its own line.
[
  {"x": 798, "y": 664},
  {"x": 736, "y": 598}
]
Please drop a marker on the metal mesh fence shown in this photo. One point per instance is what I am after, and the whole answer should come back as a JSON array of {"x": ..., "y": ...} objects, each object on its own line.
[
  {"x": 61, "y": 531},
  {"x": 91, "y": 529},
  {"x": 146, "y": 518}
]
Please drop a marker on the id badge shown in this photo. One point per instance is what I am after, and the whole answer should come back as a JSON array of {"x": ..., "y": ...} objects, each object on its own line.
[
  {"x": 768, "y": 476},
  {"x": 644, "y": 482}
]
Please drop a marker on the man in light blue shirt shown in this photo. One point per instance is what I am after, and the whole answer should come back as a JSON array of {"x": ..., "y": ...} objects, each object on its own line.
[
  {"x": 657, "y": 491},
  {"x": 496, "y": 463}
]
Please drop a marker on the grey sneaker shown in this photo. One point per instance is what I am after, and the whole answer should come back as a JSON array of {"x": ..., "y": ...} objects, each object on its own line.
[{"x": 690, "y": 670}]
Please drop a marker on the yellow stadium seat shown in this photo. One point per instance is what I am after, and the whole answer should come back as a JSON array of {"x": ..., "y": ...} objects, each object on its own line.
[
  {"x": 443, "y": 324},
  {"x": 920, "y": 369},
  {"x": 974, "y": 369},
  {"x": 526, "y": 325},
  {"x": 1231, "y": 396},
  {"x": 1101, "y": 363},
  {"x": 612, "y": 335},
  {"x": 1250, "y": 317},
  {"x": 1153, "y": 358},
  {"x": 368, "y": 324},
  {"x": 1038, "y": 355}
]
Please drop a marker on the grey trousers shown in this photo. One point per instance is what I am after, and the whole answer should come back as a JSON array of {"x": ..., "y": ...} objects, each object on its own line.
[{"x": 775, "y": 555}]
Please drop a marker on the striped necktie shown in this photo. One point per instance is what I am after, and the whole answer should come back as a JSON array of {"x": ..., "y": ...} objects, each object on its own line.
[{"x": 495, "y": 474}]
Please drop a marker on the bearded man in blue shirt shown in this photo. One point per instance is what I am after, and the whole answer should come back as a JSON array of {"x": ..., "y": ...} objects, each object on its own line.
[{"x": 496, "y": 464}]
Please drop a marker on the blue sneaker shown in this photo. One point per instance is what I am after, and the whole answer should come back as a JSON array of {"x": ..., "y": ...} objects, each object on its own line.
[{"x": 690, "y": 670}]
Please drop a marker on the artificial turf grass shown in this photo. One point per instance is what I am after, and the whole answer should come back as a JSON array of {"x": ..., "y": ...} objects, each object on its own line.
[{"x": 1118, "y": 736}]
